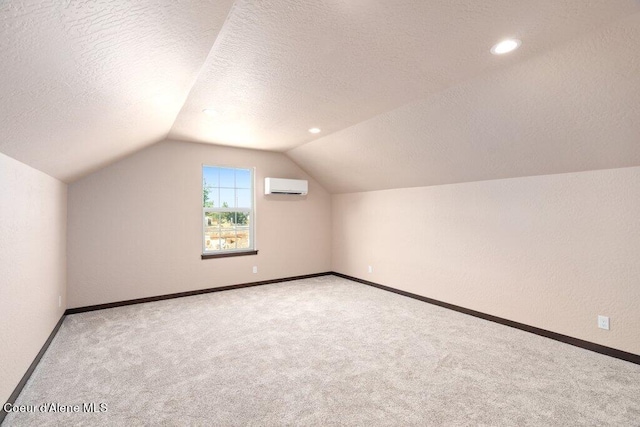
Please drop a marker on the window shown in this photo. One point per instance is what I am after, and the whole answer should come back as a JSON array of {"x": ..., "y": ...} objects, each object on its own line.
[{"x": 227, "y": 211}]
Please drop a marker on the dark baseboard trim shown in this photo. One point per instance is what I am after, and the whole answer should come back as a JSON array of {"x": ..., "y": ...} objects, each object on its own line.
[
  {"x": 587, "y": 345},
  {"x": 32, "y": 367},
  {"x": 188, "y": 293}
]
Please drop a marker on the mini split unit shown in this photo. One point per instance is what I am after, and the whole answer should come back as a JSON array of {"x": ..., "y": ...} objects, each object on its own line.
[{"x": 286, "y": 186}]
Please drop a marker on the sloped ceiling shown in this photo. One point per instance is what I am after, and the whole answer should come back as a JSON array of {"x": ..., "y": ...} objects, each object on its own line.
[
  {"x": 280, "y": 67},
  {"x": 406, "y": 92},
  {"x": 575, "y": 108},
  {"x": 85, "y": 82}
]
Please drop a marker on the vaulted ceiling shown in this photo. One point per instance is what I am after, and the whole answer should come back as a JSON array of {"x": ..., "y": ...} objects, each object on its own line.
[
  {"x": 83, "y": 83},
  {"x": 406, "y": 92}
]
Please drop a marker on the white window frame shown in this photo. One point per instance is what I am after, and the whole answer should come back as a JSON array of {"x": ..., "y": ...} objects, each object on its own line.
[{"x": 251, "y": 211}]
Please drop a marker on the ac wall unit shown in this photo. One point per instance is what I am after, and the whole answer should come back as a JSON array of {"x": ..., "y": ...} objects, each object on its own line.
[{"x": 285, "y": 186}]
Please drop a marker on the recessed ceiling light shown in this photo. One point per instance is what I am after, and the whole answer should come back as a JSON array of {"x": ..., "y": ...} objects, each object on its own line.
[
  {"x": 314, "y": 130},
  {"x": 505, "y": 46},
  {"x": 210, "y": 112}
]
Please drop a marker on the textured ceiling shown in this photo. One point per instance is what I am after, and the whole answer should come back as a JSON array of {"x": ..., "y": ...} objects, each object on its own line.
[
  {"x": 403, "y": 86},
  {"x": 280, "y": 67},
  {"x": 85, "y": 82},
  {"x": 574, "y": 108}
]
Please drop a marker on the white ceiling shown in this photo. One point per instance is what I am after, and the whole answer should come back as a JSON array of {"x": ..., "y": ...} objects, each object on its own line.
[
  {"x": 280, "y": 67},
  {"x": 574, "y": 108},
  {"x": 83, "y": 83},
  {"x": 402, "y": 86}
]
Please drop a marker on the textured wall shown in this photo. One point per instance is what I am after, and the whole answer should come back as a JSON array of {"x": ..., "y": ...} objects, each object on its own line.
[
  {"x": 33, "y": 224},
  {"x": 571, "y": 109},
  {"x": 549, "y": 251},
  {"x": 135, "y": 227}
]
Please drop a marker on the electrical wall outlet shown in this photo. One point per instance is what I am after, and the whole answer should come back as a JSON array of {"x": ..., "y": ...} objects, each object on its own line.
[
  {"x": 255, "y": 269},
  {"x": 59, "y": 300},
  {"x": 370, "y": 269},
  {"x": 603, "y": 322}
]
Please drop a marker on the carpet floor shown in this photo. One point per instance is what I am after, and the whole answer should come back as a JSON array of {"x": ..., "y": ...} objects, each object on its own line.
[{"x": 323, "y": 351}]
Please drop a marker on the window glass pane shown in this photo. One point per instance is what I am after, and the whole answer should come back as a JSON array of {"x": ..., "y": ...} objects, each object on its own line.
[
  {"x": 227, "y": 198},
  {"x": 209, "y": 194},
  {"x": 226, "y": 219},
  {"x": 242, "y": 219},
  {"x": 213, "y": 241},
  {"x": 210, "y": 176},
  {"x": 243, "y": 178},
  {"x": 229, "y": 236},
  {"x": 227, "y": 177},
  {"x": 243, "y": 240},
  {"x": 210, "y": 197},
  {"x": 212, "y": 220},
  {"x": 244, "y": 198},
  {"x": 229, "y": 219},
  {"x": 242, "y": 234}
]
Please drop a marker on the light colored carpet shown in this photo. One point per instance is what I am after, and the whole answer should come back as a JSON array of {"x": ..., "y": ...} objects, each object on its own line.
[{"x": 323, "y": 351}]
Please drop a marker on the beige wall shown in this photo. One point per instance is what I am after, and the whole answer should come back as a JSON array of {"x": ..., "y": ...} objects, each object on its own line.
[
  {"x": 550, "y": 251},
  {"x": 135, "y": 227},
  {"x": 33, "y": 217}
]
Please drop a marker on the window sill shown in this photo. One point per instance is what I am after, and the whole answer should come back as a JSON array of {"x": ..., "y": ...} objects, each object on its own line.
[{"x": 229, "y": 254}]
